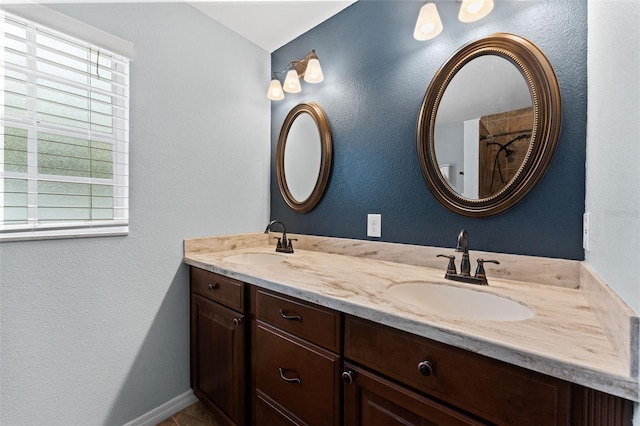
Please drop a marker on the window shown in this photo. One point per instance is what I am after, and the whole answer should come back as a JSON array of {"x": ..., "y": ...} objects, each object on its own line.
[{"x": 64, "y": 168}]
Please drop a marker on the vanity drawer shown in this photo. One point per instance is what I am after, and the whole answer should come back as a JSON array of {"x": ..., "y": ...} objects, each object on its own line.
[
  {"x": 270, "y": 413},
  {"x": 311, "y": 322},
  {"x": 496, "y": 391},
  {"x": 301, "y": 377},
  {"x": 226, "y": 291}
]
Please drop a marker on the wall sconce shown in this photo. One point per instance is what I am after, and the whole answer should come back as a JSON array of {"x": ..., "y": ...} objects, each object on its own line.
[
  {"x": 429, "y": 24},
  {"x": 307, "y": 67}
]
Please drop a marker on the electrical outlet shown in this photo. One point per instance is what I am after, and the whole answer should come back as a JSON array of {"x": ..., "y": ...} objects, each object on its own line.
[
  {"x": 374, "y": 224},
  {"x": 586, "y": 225}
]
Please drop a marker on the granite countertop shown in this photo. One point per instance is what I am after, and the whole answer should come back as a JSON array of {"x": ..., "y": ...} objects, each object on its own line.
[{"x": 564, "y": 338}]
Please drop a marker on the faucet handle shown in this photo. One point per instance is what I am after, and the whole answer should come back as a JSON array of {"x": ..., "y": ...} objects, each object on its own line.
[
  {"x": 480, "y": 273},
  {"x": 451, "y": 268},
  {"x": 279, "y": 244},
  {"x": 289, "y": 247}
]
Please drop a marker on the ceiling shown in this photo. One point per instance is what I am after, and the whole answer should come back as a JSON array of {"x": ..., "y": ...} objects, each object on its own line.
[{"x": 271, "y": 24}]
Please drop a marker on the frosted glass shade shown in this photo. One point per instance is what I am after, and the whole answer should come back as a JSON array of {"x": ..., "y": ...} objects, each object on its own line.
[
  {"x": 473, "y": 10},
  {"x": 275, "y": 90},
  {"x": 428, "y": 24},
  {"x": 313, "y": 73},
  {"x": 292, "y": 82}
]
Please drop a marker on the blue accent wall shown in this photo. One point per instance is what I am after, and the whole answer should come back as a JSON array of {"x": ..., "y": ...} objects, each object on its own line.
[{"x": 376, "y": 75}]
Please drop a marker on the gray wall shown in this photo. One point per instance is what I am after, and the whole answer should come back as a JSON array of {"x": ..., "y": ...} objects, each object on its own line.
[
  {"x": 376, "y": 75},
  {"x": 95, "y": 331},
  {"x": 613, "y": 147}
]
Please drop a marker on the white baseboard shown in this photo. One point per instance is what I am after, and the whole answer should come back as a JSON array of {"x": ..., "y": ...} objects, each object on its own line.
[{"x": 165, "y": 411}]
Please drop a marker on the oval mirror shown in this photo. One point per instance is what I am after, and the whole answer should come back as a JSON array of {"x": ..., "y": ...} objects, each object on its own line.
[
  {"x": 303, "y": 156},
  {"x": 489, "y": 125}
]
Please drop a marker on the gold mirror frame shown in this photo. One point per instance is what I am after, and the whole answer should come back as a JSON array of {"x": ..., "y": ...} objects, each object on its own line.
[
  {"x": 319, "y": 117},
  {"x": 547, "y": 118}
]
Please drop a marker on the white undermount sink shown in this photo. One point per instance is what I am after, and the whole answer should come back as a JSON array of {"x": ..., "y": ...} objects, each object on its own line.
[
  {"x": 459, "y": 302},
  {"x": 255, "y": 258}
]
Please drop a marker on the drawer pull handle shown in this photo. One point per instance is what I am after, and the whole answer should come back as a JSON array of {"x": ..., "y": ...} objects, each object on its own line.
[
  {"x": 425, "y": 368},
  {"x": 348, "y": 377},
  {"x": 290, "y": 317},
  {"x": 286, "y": 379},
  {"x": 237, "y": 322},
  {"x": 213, "y": 286}
]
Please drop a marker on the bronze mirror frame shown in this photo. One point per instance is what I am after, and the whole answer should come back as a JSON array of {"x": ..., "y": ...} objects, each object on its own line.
[
  {"x": 319, "y": 117},
  {"x": 547, "y": 118}
]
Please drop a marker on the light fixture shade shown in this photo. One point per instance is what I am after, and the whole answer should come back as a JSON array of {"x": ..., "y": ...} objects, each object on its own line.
[
  {"x": 473, "y": 10},
  {"x": 275, "y": 90},
  {"x": 313, "y": 73},
  {"x": 428, "y": 24},
  {"x": 292, "y": 82}
]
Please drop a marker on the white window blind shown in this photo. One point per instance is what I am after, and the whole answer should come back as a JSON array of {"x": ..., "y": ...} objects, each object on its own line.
[{"x": 64, "y": 155}]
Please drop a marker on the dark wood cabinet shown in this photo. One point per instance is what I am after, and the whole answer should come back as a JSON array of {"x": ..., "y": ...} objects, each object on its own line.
[
  {"x": 218, "y": 357},
  {"x": 262, "y": 358},
  {"x": 297, "y": 362}
]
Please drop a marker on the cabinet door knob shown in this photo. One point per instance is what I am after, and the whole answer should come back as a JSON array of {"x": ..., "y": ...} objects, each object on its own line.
[
  {"x": 290, "y": 317},
  {"x": 213, "y": 286},
  {"x": 287, "y": 379},
  {"x": 237, "y": 322},
  {"x": 425, "y": 368},
  {"x": 348, "y": 377}
]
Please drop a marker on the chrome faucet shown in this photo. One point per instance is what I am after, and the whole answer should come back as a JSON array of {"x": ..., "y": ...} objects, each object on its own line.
[
  {"x": 480, "y": 276},
  {"x": 284, "y": 245}
]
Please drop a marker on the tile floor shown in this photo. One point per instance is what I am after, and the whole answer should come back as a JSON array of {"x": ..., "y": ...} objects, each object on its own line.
[{"x": 194, "y": 415}]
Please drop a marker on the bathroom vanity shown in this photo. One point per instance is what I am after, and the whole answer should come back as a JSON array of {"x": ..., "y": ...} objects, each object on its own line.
[{"x": 312, "y": 338}]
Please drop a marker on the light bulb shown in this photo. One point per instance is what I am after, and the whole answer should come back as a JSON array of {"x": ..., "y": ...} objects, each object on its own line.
[
  {"x": 474, "y": 7},
  {"x": 292, "y": 82},
  {"x": 427, "y": 28},
  {"x": 474, "y": 10},
  {"x": 313, "y": 73},
  {"x": 428, "y": 24},
  {"x": 275, "y": 90}
]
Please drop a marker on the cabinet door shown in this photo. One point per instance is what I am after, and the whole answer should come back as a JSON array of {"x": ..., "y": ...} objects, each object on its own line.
[
  {"x": 370, "y": 400},
  {"x": 218, "y": 358}
]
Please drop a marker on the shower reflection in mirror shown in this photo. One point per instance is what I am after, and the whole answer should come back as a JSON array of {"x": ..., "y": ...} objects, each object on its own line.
[{"x": 483, "y": 127}]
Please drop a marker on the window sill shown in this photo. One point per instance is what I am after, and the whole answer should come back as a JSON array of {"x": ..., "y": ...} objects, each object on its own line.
[{"x": 64, "y": 234}]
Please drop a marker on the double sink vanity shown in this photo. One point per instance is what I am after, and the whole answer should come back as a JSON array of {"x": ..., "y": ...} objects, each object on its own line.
[
  {"x": 352, "y": 332},
  {"x": 358, "y": 332}
]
